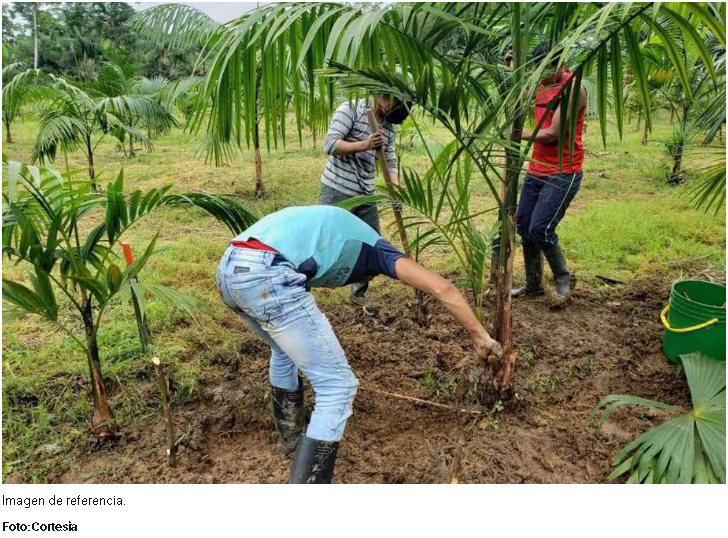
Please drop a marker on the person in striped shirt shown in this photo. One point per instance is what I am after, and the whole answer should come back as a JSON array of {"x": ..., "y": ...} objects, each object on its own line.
[{"x": 351, "y": 167}]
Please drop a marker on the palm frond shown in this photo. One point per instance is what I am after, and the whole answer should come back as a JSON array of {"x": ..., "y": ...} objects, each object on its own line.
[
  {"x": 175, "y": 24},
  {"x": 710, "y": 191},
  {"x": 690, "y": 448}
]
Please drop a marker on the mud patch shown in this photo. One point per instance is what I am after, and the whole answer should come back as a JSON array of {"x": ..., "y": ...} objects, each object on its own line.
[{"x": 601, "y": 343}]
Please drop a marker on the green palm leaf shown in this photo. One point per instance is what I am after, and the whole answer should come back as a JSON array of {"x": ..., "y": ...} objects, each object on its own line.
[{"x": 688, "y": 449}]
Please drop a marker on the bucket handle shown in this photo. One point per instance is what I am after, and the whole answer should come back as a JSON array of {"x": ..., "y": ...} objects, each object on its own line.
[{"x": 663, "y": 317}]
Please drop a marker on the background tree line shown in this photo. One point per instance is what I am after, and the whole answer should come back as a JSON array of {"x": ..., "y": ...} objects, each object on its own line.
[{"x": 73, "y": 39}]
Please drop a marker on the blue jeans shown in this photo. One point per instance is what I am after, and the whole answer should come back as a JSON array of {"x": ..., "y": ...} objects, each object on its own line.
[
  {"x": 266, "y": 291},
  {"x": 543, "y": 203}
]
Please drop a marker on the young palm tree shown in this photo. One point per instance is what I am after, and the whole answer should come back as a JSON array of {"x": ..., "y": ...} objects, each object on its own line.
[
  {"x": 19, "y": 89},
  {"x": 450, "y": 58},
  {"x": 116, "y": 85},
  {"x": 78, "y": 118},
  {"x": 264, "y": 87},
  {"x": 688, "y": 112},
  {"x": 65, "y": 234}
]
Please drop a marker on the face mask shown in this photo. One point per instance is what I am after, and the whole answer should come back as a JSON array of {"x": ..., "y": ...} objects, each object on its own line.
[{"x": 397, "y": 116}]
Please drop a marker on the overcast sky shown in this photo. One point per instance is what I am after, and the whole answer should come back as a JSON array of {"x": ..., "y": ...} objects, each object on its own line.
[{"x": 220, "y": 11}]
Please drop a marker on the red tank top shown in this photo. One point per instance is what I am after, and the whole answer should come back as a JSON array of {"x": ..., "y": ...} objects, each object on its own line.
[{"x": 546, "y": 157}]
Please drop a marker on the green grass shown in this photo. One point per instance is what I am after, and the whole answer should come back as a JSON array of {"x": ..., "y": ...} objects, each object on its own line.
[{"x": 626, "y": 222}]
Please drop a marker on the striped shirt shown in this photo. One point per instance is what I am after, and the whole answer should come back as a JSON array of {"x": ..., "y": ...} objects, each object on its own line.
[{"x": 354, "y": 174}]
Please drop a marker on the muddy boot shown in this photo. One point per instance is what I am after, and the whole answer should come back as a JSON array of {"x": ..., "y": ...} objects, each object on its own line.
[
  {"x": 358, "y": 293},
  {"x": 289, "y": 417},
  {"x": 533, "y": 261},
  {"x": 562, "y": 278},
  {"x": 314, "y": 461}
]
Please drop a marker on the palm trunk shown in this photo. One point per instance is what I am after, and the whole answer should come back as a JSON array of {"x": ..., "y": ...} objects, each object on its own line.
[
  {"x": 8, "y": 135},
  {"x": 644, "y": 134},
  {"x": 132, "y": 152},
  {"x": 91, "y": 170},
  {"x": 675, "y": 177},
  {"x": 259, "y": 188},
  {"x": 500, "y": 376},
  {"x": 677, "y": 164},
  {"x": 103, "y": 423},
  {"x": 495, "y": 256},
  {"x": 35, "y": 37}
]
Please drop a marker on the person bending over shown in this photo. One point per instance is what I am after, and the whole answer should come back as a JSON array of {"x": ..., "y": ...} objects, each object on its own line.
[{"x": 265, "y": 276}]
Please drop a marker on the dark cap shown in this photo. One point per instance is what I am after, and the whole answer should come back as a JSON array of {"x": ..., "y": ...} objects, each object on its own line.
[{"x": 540, "y": 52}]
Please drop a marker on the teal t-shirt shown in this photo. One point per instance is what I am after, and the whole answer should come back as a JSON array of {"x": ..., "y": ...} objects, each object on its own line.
[{"x": 331, "y": 246}]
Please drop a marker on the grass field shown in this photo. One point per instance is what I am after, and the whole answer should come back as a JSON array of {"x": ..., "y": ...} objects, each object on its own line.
[{"x": 625, "y": 223}]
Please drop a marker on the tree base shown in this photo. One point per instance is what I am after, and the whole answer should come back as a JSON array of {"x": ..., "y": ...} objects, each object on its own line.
[
  {"x": 490, "y": 386},
  {"x": 103, "y": 425}
]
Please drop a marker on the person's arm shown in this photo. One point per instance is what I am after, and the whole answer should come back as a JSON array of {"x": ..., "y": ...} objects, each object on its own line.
[
  {"x": 443, "y": 290},
  {"x": 347, "y": 148},
  {"x": 549, "y": 136},
  {"x": 340, "y": 127}
]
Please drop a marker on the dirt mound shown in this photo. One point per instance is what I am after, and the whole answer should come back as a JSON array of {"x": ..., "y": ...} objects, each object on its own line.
[{"x": 603, "y": 342}]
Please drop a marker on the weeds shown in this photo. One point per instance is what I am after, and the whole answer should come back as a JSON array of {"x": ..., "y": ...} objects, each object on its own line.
[{"x": 439, "y": 383}]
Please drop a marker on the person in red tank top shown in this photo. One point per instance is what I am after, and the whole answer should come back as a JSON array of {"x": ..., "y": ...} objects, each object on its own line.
[{"x": 553, "y": 178}]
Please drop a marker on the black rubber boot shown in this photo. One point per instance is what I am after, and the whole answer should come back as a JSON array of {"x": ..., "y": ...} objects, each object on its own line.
[
  {"x": 562, "y": 278},
  {"x": 358, "y": 293},
  {"x": 314, "y": 461},
  {"x": 533, "y": 262},
  {"x": 289, "y": 416}
]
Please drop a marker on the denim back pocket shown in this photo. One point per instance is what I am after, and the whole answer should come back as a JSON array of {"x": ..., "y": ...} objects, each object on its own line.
[{"x": 255, "y": 294}]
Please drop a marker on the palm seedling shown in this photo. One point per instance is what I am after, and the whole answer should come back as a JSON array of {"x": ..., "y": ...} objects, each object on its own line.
[
  {"x": 64, "y": 233},
  {"x": 18, "y": 90},
  {"x": 136, "y": 101},
  {"x": 80, "y": 118},
  {"x": 688, "y": 449}
]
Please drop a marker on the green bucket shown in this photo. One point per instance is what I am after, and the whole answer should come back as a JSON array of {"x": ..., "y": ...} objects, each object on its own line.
[{"x": 695, "y": 320}]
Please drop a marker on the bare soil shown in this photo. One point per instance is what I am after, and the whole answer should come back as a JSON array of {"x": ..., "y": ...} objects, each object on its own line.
[{"x": 603, "y": 342}]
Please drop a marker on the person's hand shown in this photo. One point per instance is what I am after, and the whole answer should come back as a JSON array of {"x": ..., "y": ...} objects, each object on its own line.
[
  {"x": 509, "y": 56},
  {"x": 376, "y": 141},
  {"x": 487, "y": 351}
]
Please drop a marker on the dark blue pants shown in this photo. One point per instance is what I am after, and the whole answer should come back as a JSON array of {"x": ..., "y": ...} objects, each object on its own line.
[{"x": 543, "y": 203}]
